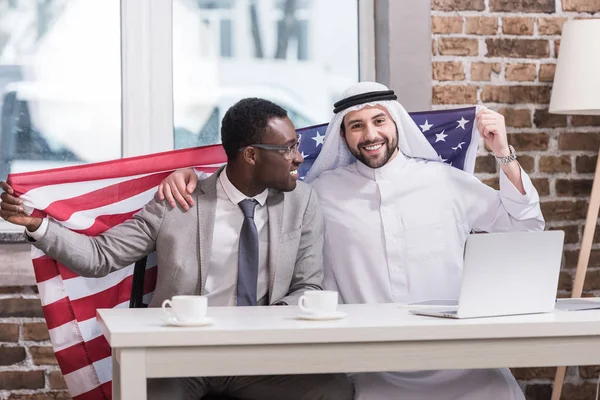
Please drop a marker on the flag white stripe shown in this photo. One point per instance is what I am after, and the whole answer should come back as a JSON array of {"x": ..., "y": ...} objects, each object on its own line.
[
  {"x": 82, "y": 380},
  {"x": 65, "y": 336},
  {"x": 36, "y": 253},
  {"x": 51, "y": 290},
  {"x": 85, "y": 219},
  {"x": 43, "y": 196},
  {"x": 89, "y": 329},
  {"x": 104, "y": 370},
  {"x": 80, "y": 287}
]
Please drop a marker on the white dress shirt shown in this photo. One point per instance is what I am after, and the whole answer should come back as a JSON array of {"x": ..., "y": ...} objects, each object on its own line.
[
  {"x": 221, "y": 281},
  {"x": 396, "y": 234}
]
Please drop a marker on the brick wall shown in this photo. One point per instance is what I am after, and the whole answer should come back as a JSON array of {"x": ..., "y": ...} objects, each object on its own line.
[
  {"x": 503, "y": 53},
  {"x": 28, "y": 368}
]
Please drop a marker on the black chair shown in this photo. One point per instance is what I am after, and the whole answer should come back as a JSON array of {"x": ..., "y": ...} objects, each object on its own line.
[{"x": 137, "y": 286}]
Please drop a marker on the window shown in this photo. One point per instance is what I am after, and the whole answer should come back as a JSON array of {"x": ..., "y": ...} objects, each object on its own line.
[
  {"x": 60, "y": 83},
  {"x": 291, "y": 52}
]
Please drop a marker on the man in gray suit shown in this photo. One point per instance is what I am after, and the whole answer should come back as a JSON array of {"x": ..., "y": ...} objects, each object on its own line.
[{"x": 254, "y": 238}]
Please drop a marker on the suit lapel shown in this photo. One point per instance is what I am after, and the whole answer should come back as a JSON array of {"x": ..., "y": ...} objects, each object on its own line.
[
  {"x": 206, "y": 204},
  {"x": 275, "y": 211}
]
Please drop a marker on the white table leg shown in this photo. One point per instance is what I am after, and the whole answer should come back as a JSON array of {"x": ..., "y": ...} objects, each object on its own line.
[
  {"x": 116, "y": 376},
  {"x": 132, "y": 377}
]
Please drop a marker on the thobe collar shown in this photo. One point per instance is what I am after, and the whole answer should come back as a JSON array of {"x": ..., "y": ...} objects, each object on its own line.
[{"x": 388, "y": 171}]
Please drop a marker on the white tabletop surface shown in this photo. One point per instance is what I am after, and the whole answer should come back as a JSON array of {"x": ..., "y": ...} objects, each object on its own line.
[{"x": 364, "y": 323}]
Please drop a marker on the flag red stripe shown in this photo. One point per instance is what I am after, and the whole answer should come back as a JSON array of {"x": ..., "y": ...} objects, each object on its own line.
[
  {"x": 105, "y": 222},
  {"x": 58, "y": 313},
  {"x": 151, "y": 163},
  {"x": 85, "y": 307},
  {"x": 102, "y": 392},
  {"x": 63, "y": 209},
  {"x": 44, "y": 268},
  {"x": 82, "y": 354},
  {"x": 65, "y": 272}
]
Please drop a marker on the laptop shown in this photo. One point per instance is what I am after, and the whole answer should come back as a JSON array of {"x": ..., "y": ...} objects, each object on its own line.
[{"x": 506, "y": 274}]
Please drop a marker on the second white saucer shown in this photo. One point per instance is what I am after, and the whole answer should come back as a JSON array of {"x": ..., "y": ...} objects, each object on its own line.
[{"x": 322, "y": 317}]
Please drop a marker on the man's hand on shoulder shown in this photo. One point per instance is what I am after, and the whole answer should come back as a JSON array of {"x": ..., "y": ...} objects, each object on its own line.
[
  {"x": 178, "y": 187},
  {"x": 11, "y": 209}
]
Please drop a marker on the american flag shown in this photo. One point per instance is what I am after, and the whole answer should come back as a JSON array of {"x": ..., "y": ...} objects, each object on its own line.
[{"x": 93, "y": 198}]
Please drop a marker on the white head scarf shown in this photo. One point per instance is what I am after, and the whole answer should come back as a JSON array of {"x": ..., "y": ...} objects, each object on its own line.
[{"x": 335, "y": 153}]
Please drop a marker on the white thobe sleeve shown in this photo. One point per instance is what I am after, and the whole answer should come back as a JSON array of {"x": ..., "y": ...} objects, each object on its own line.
[{"x": 504, "y": 210}]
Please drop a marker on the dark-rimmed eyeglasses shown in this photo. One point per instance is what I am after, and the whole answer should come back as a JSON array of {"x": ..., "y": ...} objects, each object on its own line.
[{"x": 289, "y": 152}]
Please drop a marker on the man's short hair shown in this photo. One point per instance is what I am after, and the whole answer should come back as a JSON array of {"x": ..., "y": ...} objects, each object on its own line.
[{"x": 245, "y": 123}]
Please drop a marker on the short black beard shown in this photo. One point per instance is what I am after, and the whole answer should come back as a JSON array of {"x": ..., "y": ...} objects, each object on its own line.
[{"x": 390, "y": 149}]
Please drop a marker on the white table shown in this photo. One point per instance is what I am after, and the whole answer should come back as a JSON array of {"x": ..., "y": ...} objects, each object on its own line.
[{"x": 383, "y": 337}]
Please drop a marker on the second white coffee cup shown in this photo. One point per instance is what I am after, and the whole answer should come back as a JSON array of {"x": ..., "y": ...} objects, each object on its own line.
[
  {"x": 319, "y": 302},
  {"x": 186, "y": 308}
]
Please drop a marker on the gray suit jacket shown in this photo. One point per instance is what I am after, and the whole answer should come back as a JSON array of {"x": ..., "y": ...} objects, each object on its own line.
[{"x": 183, "y": 243}]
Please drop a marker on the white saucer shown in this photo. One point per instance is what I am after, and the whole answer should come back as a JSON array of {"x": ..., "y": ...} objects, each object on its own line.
[
  {"x": 322, "y": 317},
  {"x": 201, "y": 322}
]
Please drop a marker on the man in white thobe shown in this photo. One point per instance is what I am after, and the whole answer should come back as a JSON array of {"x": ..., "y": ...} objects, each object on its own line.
[{"x": 396, "y": 222}]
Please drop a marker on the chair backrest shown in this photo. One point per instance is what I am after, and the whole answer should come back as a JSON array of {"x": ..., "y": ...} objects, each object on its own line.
[{"x": 137, "y": 286}]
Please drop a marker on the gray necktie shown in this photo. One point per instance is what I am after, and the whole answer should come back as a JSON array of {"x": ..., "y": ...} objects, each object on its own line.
[{"x": 247, "y": 256}]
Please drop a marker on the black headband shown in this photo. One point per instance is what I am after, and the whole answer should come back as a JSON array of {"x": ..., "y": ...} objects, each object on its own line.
[{"x": 363, "y": 98}]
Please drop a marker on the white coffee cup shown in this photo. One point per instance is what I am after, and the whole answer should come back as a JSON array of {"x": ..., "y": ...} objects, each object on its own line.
[
  {"x": 186, "y": 308},
  {"x": 318, "y": 302}
]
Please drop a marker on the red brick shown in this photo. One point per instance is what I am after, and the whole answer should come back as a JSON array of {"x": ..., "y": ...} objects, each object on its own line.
[
  {"x": 455, "y": 94},
  {"x": 586, "y": 164},
  {"x": 556, "y": 48},
  {"x": 583, "y": 391},
  {"x": 542, "y": 6},
  {"x": 18, "y": 290},
  {"x": 57, "y": 381},
  {"x": 58, "y": 395},
  {"x": 516, "y": 94},
  {"x": 9, "y": 332},
  {"x": 526, "y": 162},
  {"x": 571, "y": 258},
  {"x": 37, "y": 331},
  {"x": 529, "y": 141},
  {"x": 564, "y": 210},
  {"x": 573, "y": 187},
  {"x": 42, "y": 355},
  {"x": 521, "y": 72},
  {"x": 482, "y": 25},
  {"x": 555, "y": 164},
  {"x": 516, "y": 118},
  {"x": 16, "y": 307},
  {"x": 592, "y": 280},
  {"x": 565, "y": 281},
  {"x": 452, "y": 24},
  {"x": 485, "y": 164},
  {"x": 527, "y": 374},
  {"x": 571, "y": 232},
  {"x": 517, "y": 26},
  {"x": 15, "y": 380},
  {"x": 542, "y": 185},
  {"x": 579, "y": 141},
  {"x": 590, "y": 6},
  {"x": 538, "y": 391},
  {"x": 10, "y": 355},
  {"x": 543, "y": 119},
  {"x": 589, "y": 371},
  {"x": 483, "y": 71},
  {"x": 550, "y": 25},
  {"x": 492, "y": 182},
  {"x": 518, "y": 48},
  {"x": 585, "y": 120},
  {"x": 547, "y": 72},
  {"x": 448, "y": 71},
  {"x": 458, "y": 47},
  {"x": 458, "y": 5}
]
